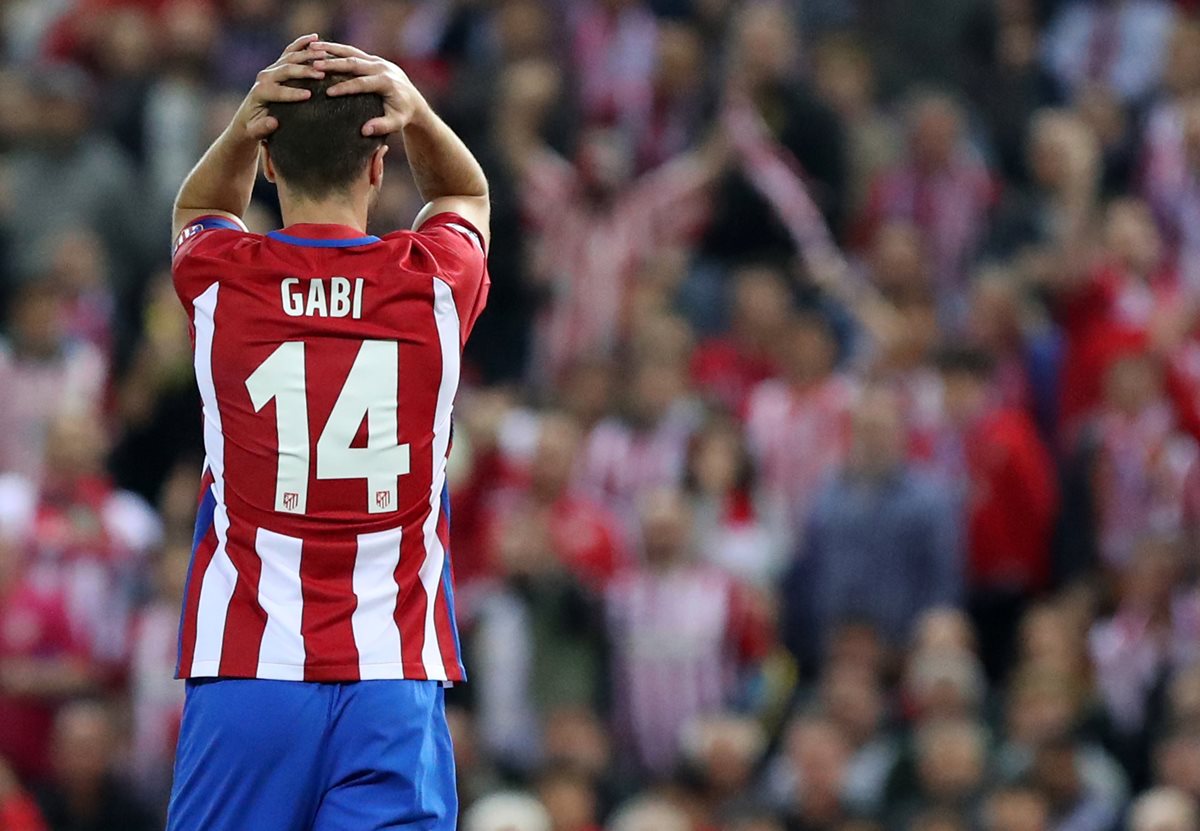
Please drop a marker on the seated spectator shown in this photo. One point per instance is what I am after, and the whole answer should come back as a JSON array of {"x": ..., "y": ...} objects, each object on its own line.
[
  {"x": 807, "y": 783},
  {"x": 882, "y": 543},
  {"x": 853, "y": 698},
  {"x": 1007, "y": 478},
  {"x": 1075, "y": 803},
  {"x": 44, "y": 375},
  {"x": 671, "y": 619},
  {"x": 84, "y": 790},
  {"x": 1043, "y": 712},
  {"x": 723, "y": 752},
  {"x": 950, "y": 763}
]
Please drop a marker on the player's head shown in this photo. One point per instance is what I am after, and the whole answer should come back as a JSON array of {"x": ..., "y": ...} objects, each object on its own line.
[{"x": 318, "y": 150}]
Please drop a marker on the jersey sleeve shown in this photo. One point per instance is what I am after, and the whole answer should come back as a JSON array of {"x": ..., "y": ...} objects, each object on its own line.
[
  {"x": 198, "y": 239},
  {"x": 462, "y": 264}
]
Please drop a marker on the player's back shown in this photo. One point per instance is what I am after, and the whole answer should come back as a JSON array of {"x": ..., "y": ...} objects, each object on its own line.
[{"x": 327, "y": 363}]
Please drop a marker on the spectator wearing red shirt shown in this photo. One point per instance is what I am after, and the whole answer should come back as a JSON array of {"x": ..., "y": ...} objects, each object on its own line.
[
  {"x": 41, "y": 664},
  {"x": 726, "y": 368},
  {"x": 1113, "y": 312},
  {"x": 1011, "y": 500},
  {"x": 582, "y": 532},
  {"x": 89, "y": 538}
]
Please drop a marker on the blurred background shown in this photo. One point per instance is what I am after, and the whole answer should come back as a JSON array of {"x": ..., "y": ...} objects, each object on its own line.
[{"x": 828, "y": 454}]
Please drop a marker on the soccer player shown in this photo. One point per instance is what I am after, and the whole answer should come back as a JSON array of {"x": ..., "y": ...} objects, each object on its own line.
[{"x": 318, "y": 622}]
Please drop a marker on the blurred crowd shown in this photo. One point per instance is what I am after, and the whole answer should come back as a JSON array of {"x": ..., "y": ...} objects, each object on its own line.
[{"x": 828, "y": 457}]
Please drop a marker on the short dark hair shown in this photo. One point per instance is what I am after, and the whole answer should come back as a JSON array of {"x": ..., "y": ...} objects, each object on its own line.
[{"x": 319, "y": 147}]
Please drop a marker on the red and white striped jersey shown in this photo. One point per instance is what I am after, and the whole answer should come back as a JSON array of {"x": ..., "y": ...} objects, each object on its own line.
[{"x": 327, "y": 363}]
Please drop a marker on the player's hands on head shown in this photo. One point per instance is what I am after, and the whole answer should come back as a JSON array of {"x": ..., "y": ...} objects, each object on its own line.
[
  {"x": 401, "y": 99},
  {"x": 270, "y": 86}
]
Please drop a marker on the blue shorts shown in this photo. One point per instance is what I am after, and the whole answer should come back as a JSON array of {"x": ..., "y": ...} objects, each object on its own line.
[{"x": 300, "y": 756}]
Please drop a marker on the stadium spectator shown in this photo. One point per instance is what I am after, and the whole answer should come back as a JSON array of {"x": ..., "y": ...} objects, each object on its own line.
[
  {"x": 88, "y": 538},
  {"x": 797, "y": 425},
  {"x": 882, "y": 544},
  {"x": 941, "y": 186},
  {"x": 1007, "y": 480},
  {"x": 45, "y": 374},
  {"x": 672, "y": 598}
]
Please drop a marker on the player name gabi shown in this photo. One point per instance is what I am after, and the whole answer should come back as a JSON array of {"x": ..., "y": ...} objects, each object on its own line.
[{"x": 341, "y": 298}]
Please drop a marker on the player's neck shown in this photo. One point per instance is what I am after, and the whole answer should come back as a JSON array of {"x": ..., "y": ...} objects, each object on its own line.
[{"x": 338, "y": 211}]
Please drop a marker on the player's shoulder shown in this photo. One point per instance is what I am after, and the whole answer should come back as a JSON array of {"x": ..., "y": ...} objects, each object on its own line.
[
  {"x": 209, "y": 235},
  {"x": 441, "y": 236}
]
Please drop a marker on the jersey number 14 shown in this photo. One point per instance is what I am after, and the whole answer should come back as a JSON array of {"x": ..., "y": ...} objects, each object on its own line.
[{"x": 281, "y": 377}]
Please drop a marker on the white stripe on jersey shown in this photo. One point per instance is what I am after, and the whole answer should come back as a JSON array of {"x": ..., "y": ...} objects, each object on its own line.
[
  {"x": 281, "y": 655},
  {"x": 374, "y": 620},
  {"x": 445, "y": 314},
  {"x": 462, "y": 229},
  {"x": 216, "y": 588}
]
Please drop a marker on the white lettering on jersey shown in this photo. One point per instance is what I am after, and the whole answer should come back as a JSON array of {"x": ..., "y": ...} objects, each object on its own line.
[
  {"x": 341, "y": 299},
  {"x": 316, "y": 299}
]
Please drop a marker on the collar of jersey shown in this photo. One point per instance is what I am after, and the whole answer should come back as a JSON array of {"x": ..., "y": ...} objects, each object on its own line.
[{"x": 312, "y": 235}]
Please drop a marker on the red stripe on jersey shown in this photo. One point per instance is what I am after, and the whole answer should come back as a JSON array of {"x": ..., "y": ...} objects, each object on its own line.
[
  {"x": 410, "y": 610},
  {"x": 246, "y": 620},
  {"x": 327, "y": 584},
  {"x": 200, "y": 561}
]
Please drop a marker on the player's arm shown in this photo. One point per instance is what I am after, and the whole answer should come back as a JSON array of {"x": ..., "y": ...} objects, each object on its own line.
[
  {"x": 221, "y": 182},
  {"x": 447, "y": 175}
]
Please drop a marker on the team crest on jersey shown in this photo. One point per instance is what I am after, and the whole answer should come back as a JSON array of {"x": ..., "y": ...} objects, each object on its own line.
[
  {"x": 291, "y": 500},
  {"x": 382, "y": 499}
]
